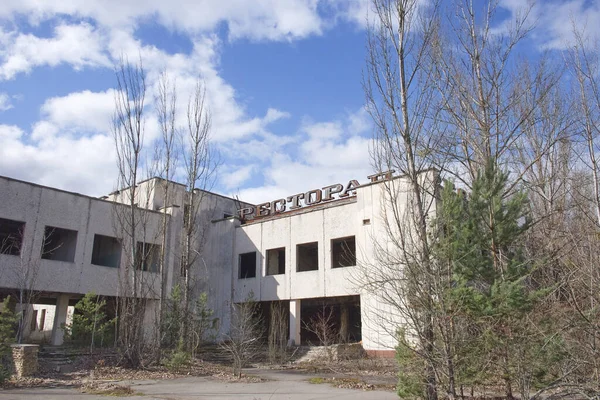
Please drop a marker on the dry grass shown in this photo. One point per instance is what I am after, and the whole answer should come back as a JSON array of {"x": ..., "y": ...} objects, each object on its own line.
[
  {"x": 107, "y": 389},
  {"x": 351, "y": 383}
]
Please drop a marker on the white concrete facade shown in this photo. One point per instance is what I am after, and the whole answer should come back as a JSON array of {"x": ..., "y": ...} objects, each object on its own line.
[{"x": 358, "y": 216}]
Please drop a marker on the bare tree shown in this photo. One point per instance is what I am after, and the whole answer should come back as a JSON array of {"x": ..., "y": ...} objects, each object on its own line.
[
  {"x": 242, "y": 342},
  {"x": 278, "y": 328},
  {"x": 323, "y": 325},
  {"x": 584, "y": 64},
  {"x": 200, "y": 168},
  {"x": 488, "y": 95},
  {"x": 128, "y": 133},
  {"x": 400, "y": 97},
  {"x": 24, "y": 273},
  {"x": 166, "y": 160}
]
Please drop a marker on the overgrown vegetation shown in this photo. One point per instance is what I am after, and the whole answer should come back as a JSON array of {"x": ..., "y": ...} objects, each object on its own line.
[
  {"x": 202, "y": 326},
  {"x": 322, "y": 324},
  {"x": 278, "y": 329},
  {"x": 492, "y": 281},
  {"x": 242, "y": 342},
  {"x": 8, "y": 321},
  {"x": 91, "y": 326}
]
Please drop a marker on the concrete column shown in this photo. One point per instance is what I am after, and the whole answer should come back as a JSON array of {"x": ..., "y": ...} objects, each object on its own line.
[
  {"x": 295, "y": 323},
  {"x": 60, "y": 319}
]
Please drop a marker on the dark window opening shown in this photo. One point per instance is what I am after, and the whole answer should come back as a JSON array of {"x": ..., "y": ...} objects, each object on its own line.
[
  {"x": 11, "y": 236},
  {"x": 43, "y": 320},
  {"x": 307, "y": 255},
  {"x": 227, "y": 215},
  {"x": 276, "y": 261},
  {"x": 147, "y": 257},
  {"x": 59, "y": 244},
  {"x": 247, "y": 265},
  {"x": 33, "y": 324},
  {"x": 330, "y": 319},
  {"x": 106, "y": 251},
  {"x": 343, "y": 252}
]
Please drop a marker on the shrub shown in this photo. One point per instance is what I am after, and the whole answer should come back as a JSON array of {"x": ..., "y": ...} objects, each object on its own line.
[
  {"x": 7, "y": 335},
  {"x": 90, "y": 325}
]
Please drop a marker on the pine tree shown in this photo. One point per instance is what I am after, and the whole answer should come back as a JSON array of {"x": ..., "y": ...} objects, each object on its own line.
[
  {"x": 90, "y": 325},
  {"x": 488, "y": 292}
]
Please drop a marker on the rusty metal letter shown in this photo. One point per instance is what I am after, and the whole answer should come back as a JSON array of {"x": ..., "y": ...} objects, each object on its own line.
[
  {"x": 381, "y": 176},
  {"x": 350, "y": 189},
  {"x": 295, "y": 200},
  {"x": 262, "y": 210},
  {"x": 246, "y": 212},
  {"x": 309, "y": 199},
  {"x": 328, "y": 191},
  {"x": 278, "y": 206}
]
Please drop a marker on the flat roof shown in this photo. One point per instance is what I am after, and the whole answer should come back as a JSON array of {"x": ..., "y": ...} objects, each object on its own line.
[{"x": 69, "y": 192}]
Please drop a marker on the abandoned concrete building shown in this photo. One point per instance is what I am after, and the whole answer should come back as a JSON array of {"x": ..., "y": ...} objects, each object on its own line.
[{"x": 304, "y": 251}]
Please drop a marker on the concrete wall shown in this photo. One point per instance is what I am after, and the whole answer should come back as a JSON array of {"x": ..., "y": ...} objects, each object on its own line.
[
  {"x": 367, "y": 217},
  {"x": 43, "y": 332},
  {"x": 288, "y": 231},
  {"x": 39, "y": 207}
]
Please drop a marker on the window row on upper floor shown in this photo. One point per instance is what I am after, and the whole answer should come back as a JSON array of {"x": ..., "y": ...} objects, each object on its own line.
[
  {"x": 60, "y": 244},
  {"x": 343, "y": 254}
]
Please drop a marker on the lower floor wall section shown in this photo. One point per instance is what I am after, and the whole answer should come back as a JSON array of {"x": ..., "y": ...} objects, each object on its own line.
[
  {"x": 330, "y": 320},
  {"x": 325, "y": 321},
  {"x": 39, "y": 321},
  {"x": 315, "y": 322}
]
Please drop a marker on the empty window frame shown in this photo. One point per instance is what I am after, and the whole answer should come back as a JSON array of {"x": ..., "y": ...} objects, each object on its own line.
[
  {"x": 43, "y": 320},
  {"x": 276, "y": 261},
  {"x": 59, "y": 244},
  {"x": 33, "y": 324},
  {"x": 307, "y": 257},
  {"x": 11, "y": 236},
  {"x": 247, "y": 267},
  {"x": 147, "y": 257},
  {"x": 343, "y": 252},
  {"x": 106, "y": 251}
]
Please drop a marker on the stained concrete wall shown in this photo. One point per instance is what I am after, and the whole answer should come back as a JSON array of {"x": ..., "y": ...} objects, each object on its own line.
[
  {"x": 367, "y": 217},
  {"x": 43, "y": 331},
  {"x": 40, "y": 206}
]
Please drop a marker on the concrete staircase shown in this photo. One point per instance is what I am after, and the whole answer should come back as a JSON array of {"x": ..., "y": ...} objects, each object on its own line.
[{"x": 59, "y": 359}]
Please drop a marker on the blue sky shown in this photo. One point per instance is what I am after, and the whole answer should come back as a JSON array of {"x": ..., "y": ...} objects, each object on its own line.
[{"x": 283, "y": 81}]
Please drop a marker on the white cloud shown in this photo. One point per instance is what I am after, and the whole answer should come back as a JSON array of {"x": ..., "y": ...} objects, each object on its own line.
[
  {"x": 78, "y": 45},
  {"x": 558, "y": 20},
  {"x": 234, "y": 178},
  {"x": 5, "y": 103},
  {"x": 355, "y": 11},
  {"x": 84, "y": 118},
  {"x": 257, "y": 20},
  {"x": 328, "y": 152},
  {"x": 323, "y": 130},
  {"x": 70, "y": 145},
  {"x": 83, "y": 165},
  {"x": 554, "y": 21},
  {"x": 76, "y": 113}
]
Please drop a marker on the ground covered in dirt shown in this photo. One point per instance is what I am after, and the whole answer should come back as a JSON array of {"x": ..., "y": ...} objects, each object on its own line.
[
  {"x": 101, "y": 373},
  {"x": 82, "y": 370}
]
